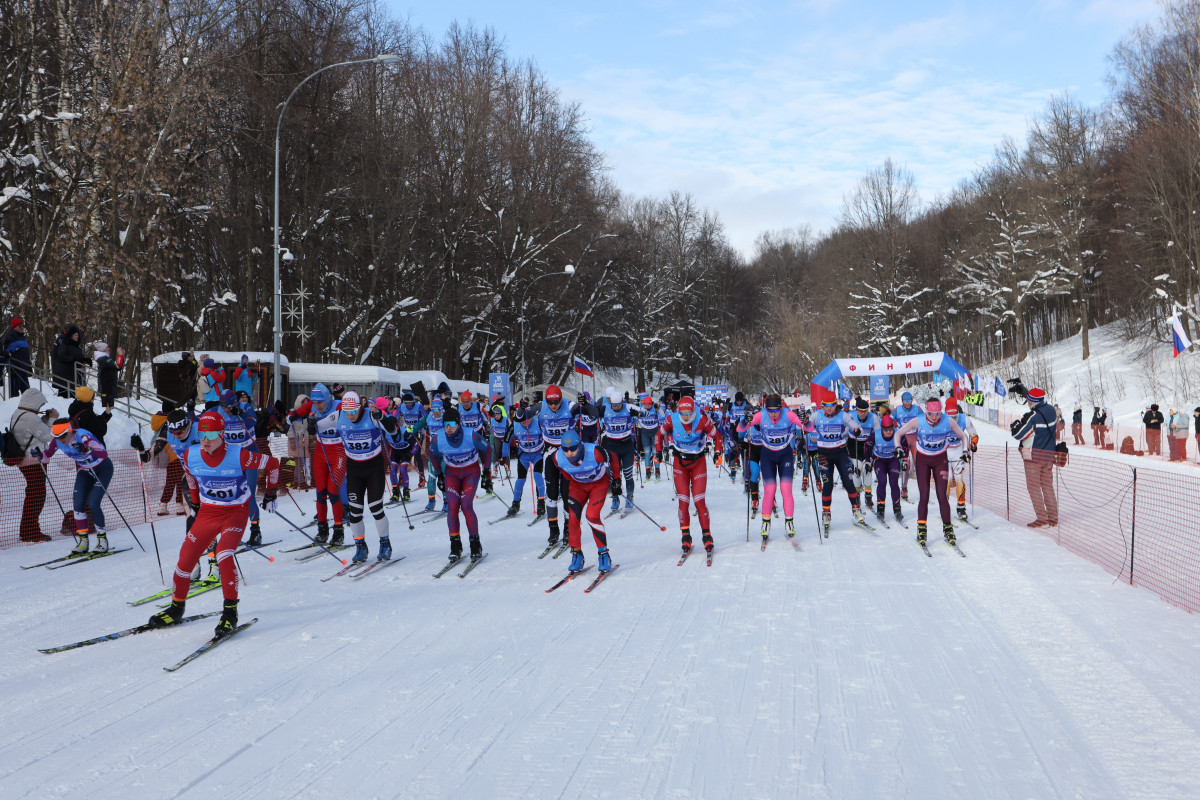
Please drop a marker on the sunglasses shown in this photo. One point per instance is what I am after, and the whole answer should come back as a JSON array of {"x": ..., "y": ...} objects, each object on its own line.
[
  {"x": 451, "y": 424},
  {"x": 569, "y": 451},
  {"x": 774, "y": 410},
  {"x": 210, "y": 435}
]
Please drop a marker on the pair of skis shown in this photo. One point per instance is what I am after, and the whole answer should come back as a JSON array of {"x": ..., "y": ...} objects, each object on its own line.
[
  {"x": 575, "y": 574},
  {"x": 201, "y": 650},
  {"x": 452, "y": 563},
  {"x": 75, "y": 558},
  {"x": 688, "y": 552},
  {"x": 363, "y": 568}
]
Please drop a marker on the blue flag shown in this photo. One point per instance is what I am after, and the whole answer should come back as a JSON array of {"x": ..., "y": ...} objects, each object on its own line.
[{"x": 1000, "y": 390}]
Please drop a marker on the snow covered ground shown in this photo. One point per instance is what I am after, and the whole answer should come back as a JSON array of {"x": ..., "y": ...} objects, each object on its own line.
[{"x": 853, "y": 668}]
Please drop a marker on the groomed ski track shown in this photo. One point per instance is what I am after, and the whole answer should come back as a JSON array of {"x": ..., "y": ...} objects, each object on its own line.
[{"x": 857, "y": 668}]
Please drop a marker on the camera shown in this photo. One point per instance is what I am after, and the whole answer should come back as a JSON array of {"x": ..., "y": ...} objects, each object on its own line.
[{"x": 1015, "y": 387}]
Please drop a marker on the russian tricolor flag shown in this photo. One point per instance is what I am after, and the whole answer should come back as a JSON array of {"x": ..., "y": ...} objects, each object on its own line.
[
  {"x": 582, "y": 368},
  {"x": 1181, "y": 341}
]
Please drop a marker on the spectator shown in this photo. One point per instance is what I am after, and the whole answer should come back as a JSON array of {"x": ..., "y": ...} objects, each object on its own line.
[
  {"x": 1099, "y": 419},
  {"x": 83, "y": 413},
  {"x": 245, "y": 376},
  {"x": 187, "y": 378},
  {"x": 1077, "y": 426},
  {"x": 1178, "y": 431},
  {"x": 1060, "y": 427},
  {"x": 67, "y": 361},
  {"x": 1036, "y": 433},
  {"x": 1153, "y": 420},
  {"x": 32, "y": 432},
  {"x": 14, "y": 348},
  {"x": 107, "y": 374},
  {"x": 209, "y": 382},
  {"x": 174, "y": 485}
]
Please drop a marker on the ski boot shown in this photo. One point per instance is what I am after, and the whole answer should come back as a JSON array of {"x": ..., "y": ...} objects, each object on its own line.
[
  {"x": 322, "y": 532},
  {"x": 395, "y": 494},
  {"x": 553, "y": 532},
  {"x": 922, "y": 534},
  {"x": 616, "y": 503},
  {"x": 687, "y": 542},
  {"x": 432, "y": 504},
  {"x": 629, "y": 502},
  {"x": 576, "y": 560},
  {"x": 421, "y": 482},
  {"x": 605, "y": 564},
  {"x": 228, "y": 619},
  {"x": 879, "y": 510},
  {"x": 657, "y": 473},
  {"x": 766, "y": 529},
  {"x": 753, "y": 509},
  {"x": 867, "y": 492},
  {"x": 339, "y": 536},
  {"x": 101, "y": 542},
  {"x": 385, "y": 549},
  {"x": 541, "y": 507},
  {"x": 948, "y": 534},
  {"x": 733, "y": 475},
  {"x": 708, "y": 542},
  {"x": 789, "y": 528},
  {"x": 81, "y": 545},
  {"x": 255, "y": 539},
  {"x": 476, "y": 548},
  {"x": 360, "y": 550},
  {"x": 168, "y": 616},
  {"x": 856, "y": 512},
  {"x": 513, "y": 510},
  {"x": 904, "y": 494},
  {"x": 962, "y": 512},
  {"x": 405, "y": 496},
  {"x": 455, "y": 547},
  {"x": 826, "y": 520},
  {"x": 804, "y": 485},
  {"x": 897, "y": 513}
]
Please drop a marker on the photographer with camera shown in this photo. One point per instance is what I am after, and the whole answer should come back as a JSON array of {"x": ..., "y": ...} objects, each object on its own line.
[{"x": 1036, "y": 431}]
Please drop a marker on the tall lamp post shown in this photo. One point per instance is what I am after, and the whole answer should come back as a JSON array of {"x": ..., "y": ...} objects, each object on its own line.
[
  {"x": 568, "y": 270},
  {"x": 386, "y": 58}
]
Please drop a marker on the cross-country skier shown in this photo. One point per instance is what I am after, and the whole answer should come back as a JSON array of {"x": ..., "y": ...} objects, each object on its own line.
[
  {"x": 690, "y": 434},
  {"x": 362, "y": 434},
  {"x": 402, "y": 444},
  {"x": 216, "y": 476},
  {"x": 885, "y": 450},
  {"x": 413, "y": 415},
  {"x": 457, "y": 454},
  {"x": 616, "y": 426},
  {"x": 589, "y": 426},
  {"x": 590, "y": 472},
  {"x": 777, "y": 461},
  {"x": 530, "y": 445},
  {"x": 932, "y": 431},
  {"x": 750, "y": 438},
  {"x": 471, "y": 415},
  {"x": 555, "y": 418},
  {"x": 833, "y": 429},
  {"x": 93, "y": 472},
  {"x": 904, "y": 412},
  {"x": 959, "y": 454},
  {"x": 647, "y": 428},
  {"x": 328, "y": 460},
  {"x": 239, "y": 431},
  {"x": 811, "y": 459},
  {"x": 433, "y": 426},
  {"x": 858, "y": 444},
  {"x": 501, "y": 429}
]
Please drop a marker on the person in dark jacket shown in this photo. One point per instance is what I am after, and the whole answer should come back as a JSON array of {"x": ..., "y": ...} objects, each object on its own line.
[
  {"x": 188, "y": 366},
  {"x": 1153, "y": 419},
  {"x": 83, "y": 412},
  {"x": 14, "y": 349},
  {"x": 67, "y": 361},
  {"x": 1077, "y": 425},
  {"x": 1036, "y": 431},
  {"x": 1099, "y": 420},
  {"x": 107, "y": 372}
]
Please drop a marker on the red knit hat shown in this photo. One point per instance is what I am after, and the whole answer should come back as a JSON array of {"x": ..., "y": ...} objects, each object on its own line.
[
  {"x": 1036, "y": 394},
  {"x": 16, "y": 321}
]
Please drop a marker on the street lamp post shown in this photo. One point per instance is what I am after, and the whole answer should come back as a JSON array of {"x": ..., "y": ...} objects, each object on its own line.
[
  {"x": 568, "y": 270},
  {"x": 1000, "y": 336},
  {"x": 386, "y": 58}
]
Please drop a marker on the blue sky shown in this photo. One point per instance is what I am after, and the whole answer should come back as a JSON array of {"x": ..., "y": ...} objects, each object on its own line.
[{"x": 770, "y": 112}]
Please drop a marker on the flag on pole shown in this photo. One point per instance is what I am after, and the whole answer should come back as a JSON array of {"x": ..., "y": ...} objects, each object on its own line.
[
  {"x": 582, "y": 368},
  {"x": 1000, "y": 390},
  {"x": 1181, "y": 341}
]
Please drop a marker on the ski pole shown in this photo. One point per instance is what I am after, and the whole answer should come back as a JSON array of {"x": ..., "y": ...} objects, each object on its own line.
[
  {"x": 311, "y": 539},
  {"x": 52, "y": 489},
  {"x": 647, "y": 516},
  {"x": 256, "y": 551},
  {"x": 816, "y": 514},
  {"x": 153, "y": 532},
  {"x": 404, "y": 507},
  {"x": 747, "y": 493}
]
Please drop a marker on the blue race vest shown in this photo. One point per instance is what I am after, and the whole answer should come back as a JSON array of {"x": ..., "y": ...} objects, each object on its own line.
[
  {"x": 865, "y": 426},
  {"x": 554, "y": 423},
  {"x": 530, "y": 439},
  {"x": 237, "y": 431},
  {"x": 649, "y": 420},
  {"x": 687, "y": 442},
  {"x": 362, "y": 440},
  {"x": 412, "y": 413},
  {"x": 617, "y": 424},
  {"x": 831, "y": 431},
  {"x": 884, "y": 448},
  {"x": 470, "y": 419},
  {"x": 587, "y": 470},
  {"x": 434, "y": 426},
  {"x": 777, "y": 436},
  {"x": 933, "y": 439},
  {"x": 222, "y": 485},
  {"x": 76, "y": 450},
  {"x": 180, "y": 446},
  {"x": 463, "y": 454}
]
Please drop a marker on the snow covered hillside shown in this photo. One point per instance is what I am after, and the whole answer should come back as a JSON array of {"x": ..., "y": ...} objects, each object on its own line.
[{"x": 852, "y": 668}]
